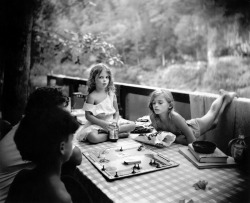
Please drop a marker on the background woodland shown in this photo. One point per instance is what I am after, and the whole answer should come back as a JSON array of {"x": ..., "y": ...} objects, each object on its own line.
[{"x": 193, "y": 45}]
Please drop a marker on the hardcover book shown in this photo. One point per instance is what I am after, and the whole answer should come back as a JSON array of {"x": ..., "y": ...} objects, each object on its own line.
[
  {"x": 216, "y": 157},
  {"x": 189, "y": 156}
]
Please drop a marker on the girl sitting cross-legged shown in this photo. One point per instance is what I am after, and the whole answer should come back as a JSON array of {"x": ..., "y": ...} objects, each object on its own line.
[
  {"x": 165, "y": 118},
  {"x": 101, "y": 109}
]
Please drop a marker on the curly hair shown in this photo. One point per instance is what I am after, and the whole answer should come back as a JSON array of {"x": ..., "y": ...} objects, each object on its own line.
[
  {"x": 45, "y": 97},
  {"x": 39, "y": 134},
  {"x": 96, "y": 71}
]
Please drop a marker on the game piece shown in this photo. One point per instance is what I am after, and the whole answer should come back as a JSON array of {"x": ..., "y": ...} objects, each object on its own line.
[
  {"x": 151, "y": 162},
  {"x": 116, "y": 174},
  {"x": 130, "y": 161},
  {"x": 140, "y": 148},
  {"x": 158, "y": 165},
  {"x": 103, "y": 168},
  {"x": 138, "y": 166},
  {"x": 133, "y": 170},
  {"x": 134, "y": 167}
]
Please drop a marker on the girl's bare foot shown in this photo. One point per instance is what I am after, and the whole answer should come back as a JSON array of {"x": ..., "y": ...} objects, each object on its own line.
[
  {"x": 222, "y": 91},
  {"x": 229, "y": 96}
]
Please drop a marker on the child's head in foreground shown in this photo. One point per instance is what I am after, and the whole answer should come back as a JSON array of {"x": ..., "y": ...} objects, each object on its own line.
[
  {"x": 46, "y": 97},
  {"x": 95, "y": 72},
  {"x": 161, "y": 100},
  {"x": 45, "y": 136}
]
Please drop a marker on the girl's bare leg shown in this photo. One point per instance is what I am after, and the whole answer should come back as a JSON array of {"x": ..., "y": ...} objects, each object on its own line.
[
  {"x": 229, "y": 96},
  {"x": 95, "y": 137},
  {"x": 124, "y": 129},
  {"x": 210, "y": 120}
]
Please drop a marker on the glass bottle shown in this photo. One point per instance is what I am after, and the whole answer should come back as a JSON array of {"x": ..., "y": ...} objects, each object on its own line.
[{"x": 113, "y": 134}]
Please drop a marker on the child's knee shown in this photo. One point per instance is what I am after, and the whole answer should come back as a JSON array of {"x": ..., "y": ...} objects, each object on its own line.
[
  {"x": 128, "y": 127},
  {"x": 95, "y": 138},
  {"x": 131, "y": 126}
]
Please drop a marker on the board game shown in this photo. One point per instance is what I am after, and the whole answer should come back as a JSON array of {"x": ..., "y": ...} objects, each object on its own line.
[{"x": 129, "y": 160}]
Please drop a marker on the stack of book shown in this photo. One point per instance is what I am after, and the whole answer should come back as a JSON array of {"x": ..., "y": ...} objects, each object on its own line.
[{"x": 215, "y": 159}]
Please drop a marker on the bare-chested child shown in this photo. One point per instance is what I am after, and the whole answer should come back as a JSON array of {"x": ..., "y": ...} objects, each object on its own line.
[{"x": 165, "y": 118}]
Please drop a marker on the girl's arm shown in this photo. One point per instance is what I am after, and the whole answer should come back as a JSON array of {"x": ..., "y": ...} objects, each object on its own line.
[
  {"x": 91, "y": 118},
  {"x": 153, "y": 122},
  {"x": 116, "y": 114},
  {"x": 181, "y": 124}
]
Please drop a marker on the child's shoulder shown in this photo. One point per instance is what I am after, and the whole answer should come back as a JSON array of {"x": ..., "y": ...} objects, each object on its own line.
[
  {"x": 91, "y": 97},
  {"x": 58, "y": 190},
  {"x": 176, "y": 116},
  {"x": 95, "y": 95}
]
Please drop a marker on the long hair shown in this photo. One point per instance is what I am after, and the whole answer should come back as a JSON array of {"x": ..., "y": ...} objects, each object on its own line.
[
  {"x": 96, "y": 71},
  {"x": 169, "y": 98}
]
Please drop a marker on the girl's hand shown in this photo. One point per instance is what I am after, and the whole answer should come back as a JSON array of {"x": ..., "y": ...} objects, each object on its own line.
[
  {"x": 115, "y": 124},
  {"x": 108, "y": 126}
]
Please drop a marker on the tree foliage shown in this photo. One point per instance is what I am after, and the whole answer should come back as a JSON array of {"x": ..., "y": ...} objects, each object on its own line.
[
  {"x": 173, "y": 30},
  {"x": 58, "y": 45},
  {"x": 143, "y": 34},
  {"x": 74, "y": 47},
  {"x": 146, "y": 35}
]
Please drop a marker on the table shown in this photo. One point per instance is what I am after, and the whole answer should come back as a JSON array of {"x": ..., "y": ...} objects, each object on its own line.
[{"x": 169, "y": 185}]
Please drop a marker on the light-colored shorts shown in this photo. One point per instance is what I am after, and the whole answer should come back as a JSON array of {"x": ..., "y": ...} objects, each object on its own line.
[{"x": 194, "y": 126}]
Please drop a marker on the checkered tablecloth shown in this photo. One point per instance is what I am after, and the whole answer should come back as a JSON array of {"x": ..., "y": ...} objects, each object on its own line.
[{"x": 168, "y": 185}]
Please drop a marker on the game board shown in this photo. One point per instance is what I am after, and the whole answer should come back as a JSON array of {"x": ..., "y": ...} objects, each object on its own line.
[{"x": 129, "y": 160}]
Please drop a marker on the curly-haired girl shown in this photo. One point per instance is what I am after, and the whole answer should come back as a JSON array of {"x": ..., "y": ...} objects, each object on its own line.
[{"x": 101, "y": 109}]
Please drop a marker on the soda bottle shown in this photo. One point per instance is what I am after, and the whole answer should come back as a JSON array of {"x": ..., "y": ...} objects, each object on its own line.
[
  {"x": 237, "y": 148},
  {"x": 113, "y": 134}
]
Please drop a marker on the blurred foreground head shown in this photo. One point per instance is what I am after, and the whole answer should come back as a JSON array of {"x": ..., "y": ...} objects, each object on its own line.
[
  {"x": 46, "y": 97},
  {"x": 40, "y": 134}
]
